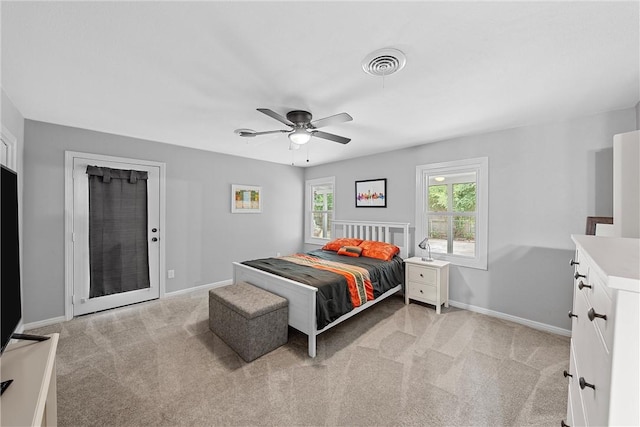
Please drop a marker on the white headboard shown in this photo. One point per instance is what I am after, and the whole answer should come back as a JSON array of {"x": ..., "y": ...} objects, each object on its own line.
[{"x": 371, "y": 230}]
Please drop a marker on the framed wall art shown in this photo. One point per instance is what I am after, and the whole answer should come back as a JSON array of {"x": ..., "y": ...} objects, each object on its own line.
[
  {"x": 593, "y": 221},
  {"x": 371, "y": 193},
  {"x": 246, "y": 199}
]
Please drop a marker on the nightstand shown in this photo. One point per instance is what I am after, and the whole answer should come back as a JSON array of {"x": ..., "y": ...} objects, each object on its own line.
[{"x": 427, "y": 281}]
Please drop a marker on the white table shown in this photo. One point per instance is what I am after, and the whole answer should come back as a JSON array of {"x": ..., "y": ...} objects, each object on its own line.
[{"x": 31, "y": 399}]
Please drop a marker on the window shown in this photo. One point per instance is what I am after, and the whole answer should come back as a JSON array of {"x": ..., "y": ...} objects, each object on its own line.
[
  {"x": 452, "y": 203},
  {"x": 319, "y": 208}
]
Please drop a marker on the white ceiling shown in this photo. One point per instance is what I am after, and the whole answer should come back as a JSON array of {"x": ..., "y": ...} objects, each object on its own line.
[{"x": 189, "y": 73}]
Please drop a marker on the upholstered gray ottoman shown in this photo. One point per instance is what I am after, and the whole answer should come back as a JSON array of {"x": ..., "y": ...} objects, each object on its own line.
[{"x": 249, "y": 319}]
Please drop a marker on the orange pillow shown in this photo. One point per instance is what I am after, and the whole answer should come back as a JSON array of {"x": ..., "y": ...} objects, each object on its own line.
[
  {"x": 336, "y": 244},
  {"x": 354, "y": 251},
  {"x": 379, "y": 250}
]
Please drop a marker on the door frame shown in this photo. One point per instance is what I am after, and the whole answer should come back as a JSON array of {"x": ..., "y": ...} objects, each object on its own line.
[{"x": 69, "y": 157}]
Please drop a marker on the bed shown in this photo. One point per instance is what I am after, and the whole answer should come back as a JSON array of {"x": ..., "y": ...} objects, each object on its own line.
[{"x": 302, "y": 297}]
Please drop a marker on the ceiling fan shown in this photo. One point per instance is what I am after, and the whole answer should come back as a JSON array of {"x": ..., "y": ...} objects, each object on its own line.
[{"x": 302, "y": 128}]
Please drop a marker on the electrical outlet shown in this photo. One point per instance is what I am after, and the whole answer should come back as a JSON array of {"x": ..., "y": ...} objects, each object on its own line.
[{"x": 171, "y": 274}]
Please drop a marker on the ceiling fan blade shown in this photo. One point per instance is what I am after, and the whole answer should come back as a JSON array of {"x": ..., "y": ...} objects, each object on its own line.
[
  {"x": 331, "y": 120},
  {"x": 276, "y": 116},
  {"x": 247, "y": 134},
  {"x": 331, "y": 137}
]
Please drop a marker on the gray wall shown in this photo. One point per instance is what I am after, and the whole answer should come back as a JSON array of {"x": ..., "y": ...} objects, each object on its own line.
[
  {"x": 202, "y": 236},
  {"x": 543, "y": 183}
]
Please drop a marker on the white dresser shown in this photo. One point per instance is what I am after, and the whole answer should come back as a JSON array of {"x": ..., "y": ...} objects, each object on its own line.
[{"x": 604, "y": 371}]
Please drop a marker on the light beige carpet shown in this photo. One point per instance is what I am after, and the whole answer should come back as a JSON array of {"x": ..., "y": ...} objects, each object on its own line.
[{"x": 157, "y": 364}]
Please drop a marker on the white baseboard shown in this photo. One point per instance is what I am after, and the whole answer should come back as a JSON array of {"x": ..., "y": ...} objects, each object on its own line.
[
  {"x": 199, "y": 288},
  {"x": 43, "y": 323},
  {"x": 526, "y": 322}
]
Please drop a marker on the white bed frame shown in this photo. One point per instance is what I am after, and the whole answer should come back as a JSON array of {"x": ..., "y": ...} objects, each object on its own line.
[{"x": 302, "y": 298}]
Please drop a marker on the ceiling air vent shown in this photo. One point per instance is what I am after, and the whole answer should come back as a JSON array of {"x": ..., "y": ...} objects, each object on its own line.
[{"x": 384, "y": 62}]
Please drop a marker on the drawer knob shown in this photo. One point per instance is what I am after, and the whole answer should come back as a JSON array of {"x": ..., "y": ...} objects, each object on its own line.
[
  {"x": 582, "y": 285},
  {"x": 563, "y": 424},
  {"x": 421, "y": 275},
  {"x": 584, "y": 384},
  {"x": 572, "y": 263},
  {"x": 421, "y": 291},
  {"x": 567, "y": 374},
  {"x": 592, "y": 315},
  {"x": 572, "y": 315},
  {"x": 578, "y": 275}
]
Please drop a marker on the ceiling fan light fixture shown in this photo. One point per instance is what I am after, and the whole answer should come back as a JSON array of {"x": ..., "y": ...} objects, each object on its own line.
[{"x": 300, "y": 136}]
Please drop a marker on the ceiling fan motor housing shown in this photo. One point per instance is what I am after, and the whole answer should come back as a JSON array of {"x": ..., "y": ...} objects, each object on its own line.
[{"x": 299, "y": 117}]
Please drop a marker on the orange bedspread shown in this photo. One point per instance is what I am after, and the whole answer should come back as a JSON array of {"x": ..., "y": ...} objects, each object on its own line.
[{"x": 358, "y": 280}]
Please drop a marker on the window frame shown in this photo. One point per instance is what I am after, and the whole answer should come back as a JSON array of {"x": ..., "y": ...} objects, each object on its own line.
[
  {"x": 479, "y": 165},
  {"x": 308, "y": 209}
]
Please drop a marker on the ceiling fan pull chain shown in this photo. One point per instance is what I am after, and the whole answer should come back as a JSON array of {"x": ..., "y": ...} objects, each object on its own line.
[{"x": 307, "y": 153}]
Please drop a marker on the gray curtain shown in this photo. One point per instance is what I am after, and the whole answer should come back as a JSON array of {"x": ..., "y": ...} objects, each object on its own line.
[{"x": 118, "y": 251}]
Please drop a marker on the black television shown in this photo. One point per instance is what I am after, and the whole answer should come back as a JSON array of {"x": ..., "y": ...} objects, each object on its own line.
[
  {"x": 10, "y": 303},
  {"x": 10, "y": 299}
]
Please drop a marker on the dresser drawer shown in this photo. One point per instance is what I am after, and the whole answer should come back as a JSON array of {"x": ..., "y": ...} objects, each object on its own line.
[
  {"x": 423, "y": 275},
  {"x": 601, "y": 301},
  {"x": 575, "y": 410},
  {"x": 593, "y": 363},
  {"x": 424, "y": 293},
  {"x": 599, "y": 298}
]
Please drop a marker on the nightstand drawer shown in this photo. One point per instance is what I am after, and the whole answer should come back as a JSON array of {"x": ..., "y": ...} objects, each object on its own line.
[
  {"x": 424, "y": 293},
  {"x": 422, "y": 275}
]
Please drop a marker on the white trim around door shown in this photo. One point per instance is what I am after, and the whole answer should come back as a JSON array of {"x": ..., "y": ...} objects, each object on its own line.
[
  {"x": 10, "y": 146},
  {"x": 70, "y": 156}
]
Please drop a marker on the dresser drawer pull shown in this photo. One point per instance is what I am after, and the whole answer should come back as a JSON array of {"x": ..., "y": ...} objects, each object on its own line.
[
  {"x": 570, "y": 314},
  {"x": 592, "y": 315},
  {"x": 563, "y": 424},
  {"x": 578, "y": 275},
  {"x": 572, "y": 263},
  {"x": 582, "y": 285},
  {"x": 584, "y": 384},
  {"x": 567, "y": 374}
]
